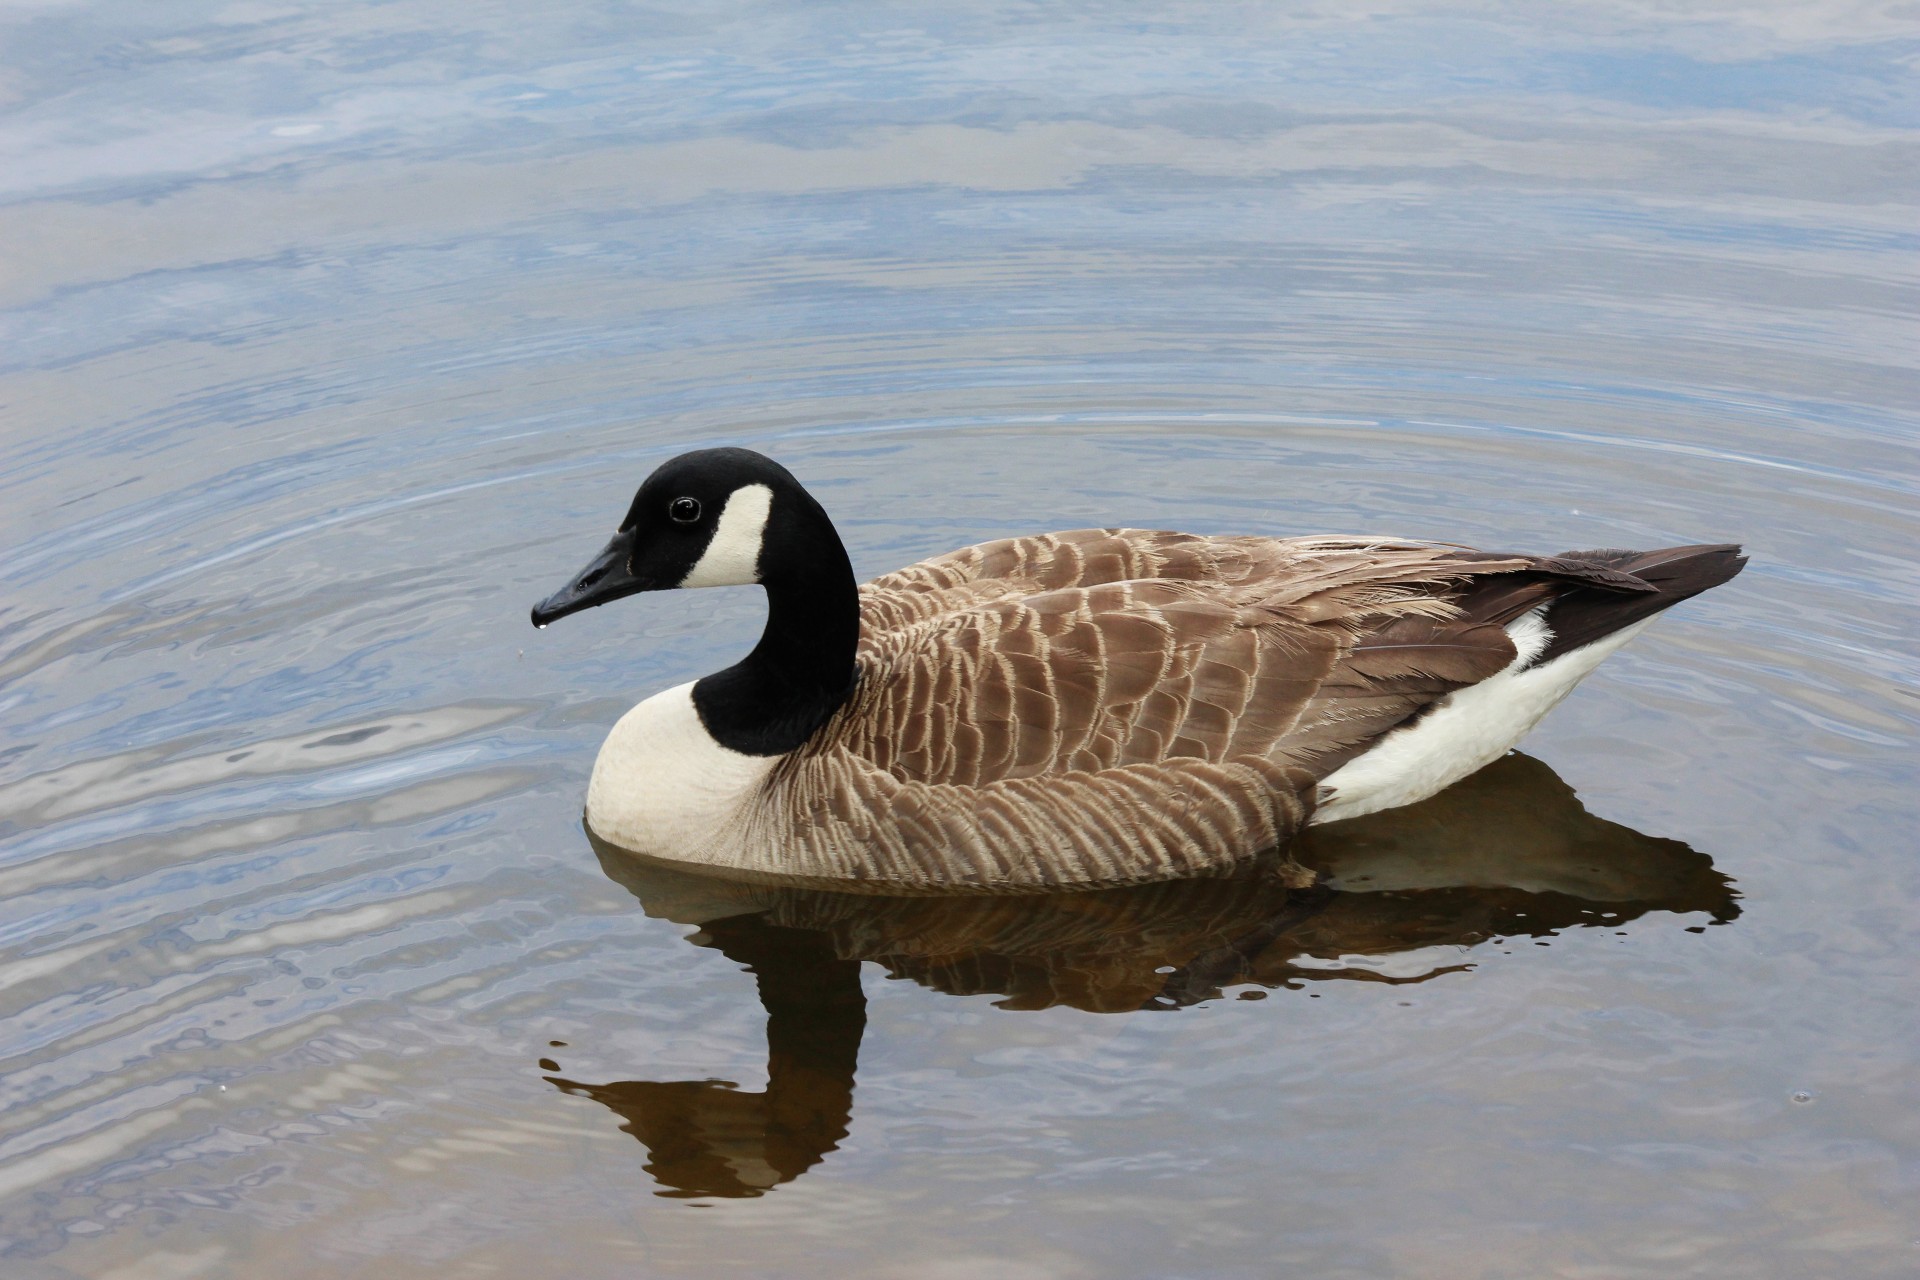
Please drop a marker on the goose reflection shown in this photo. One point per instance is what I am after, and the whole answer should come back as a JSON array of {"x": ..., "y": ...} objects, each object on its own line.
[{"x": 1400, "y": 897}]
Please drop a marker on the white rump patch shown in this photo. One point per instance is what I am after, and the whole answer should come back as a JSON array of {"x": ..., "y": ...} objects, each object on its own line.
[
  {"x": 732, "y": 559},
  {"x": 1466, "y": 730},
  {"x": 662, "y": 785}
]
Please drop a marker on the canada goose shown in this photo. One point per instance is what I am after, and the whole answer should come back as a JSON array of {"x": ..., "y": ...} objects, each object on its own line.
[{"x": 1095, "y": 707}]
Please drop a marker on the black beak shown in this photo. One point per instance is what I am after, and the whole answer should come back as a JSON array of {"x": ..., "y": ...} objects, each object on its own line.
[{"x": 608, "y": 578}]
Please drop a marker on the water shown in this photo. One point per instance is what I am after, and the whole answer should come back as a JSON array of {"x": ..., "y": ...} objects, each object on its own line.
[{"x": 335, "y": 335}]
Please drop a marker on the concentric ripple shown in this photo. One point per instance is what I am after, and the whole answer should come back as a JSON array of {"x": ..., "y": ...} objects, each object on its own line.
[{"x": 334, "y": 335}]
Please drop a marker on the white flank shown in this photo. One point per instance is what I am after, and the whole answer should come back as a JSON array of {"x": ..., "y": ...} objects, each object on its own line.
[
  {"x": 1466, "y": 730},
  {"x": 662, "y": 785},
  {"x": 732, "y": 559}
]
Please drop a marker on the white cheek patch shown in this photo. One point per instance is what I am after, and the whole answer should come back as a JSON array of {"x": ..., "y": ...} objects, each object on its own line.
[{"x": 732, "y": 559}]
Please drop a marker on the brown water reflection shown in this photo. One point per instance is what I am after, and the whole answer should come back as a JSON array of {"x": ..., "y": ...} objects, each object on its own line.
[
  {"x": 1509, "y": 853},
  {"x": 707, "y": 1137}
]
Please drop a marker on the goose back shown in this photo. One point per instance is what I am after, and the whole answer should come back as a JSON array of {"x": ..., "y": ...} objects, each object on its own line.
[{"x": 1107, "y": 706}]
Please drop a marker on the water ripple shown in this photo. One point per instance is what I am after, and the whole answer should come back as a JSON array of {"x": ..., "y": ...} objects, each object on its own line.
[{"x": 335, "y": 336}]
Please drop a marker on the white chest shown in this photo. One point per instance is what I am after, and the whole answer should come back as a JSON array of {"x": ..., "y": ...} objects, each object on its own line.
[{"x": 661, "y": 784}]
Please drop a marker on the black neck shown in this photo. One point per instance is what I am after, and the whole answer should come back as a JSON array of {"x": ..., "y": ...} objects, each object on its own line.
[{"x": 803, "y": 668}]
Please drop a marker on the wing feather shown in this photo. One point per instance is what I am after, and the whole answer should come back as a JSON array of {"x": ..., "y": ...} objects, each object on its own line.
[
  {"x": 1299, "y": 651},
  {"x": 1109, "y": 704}
]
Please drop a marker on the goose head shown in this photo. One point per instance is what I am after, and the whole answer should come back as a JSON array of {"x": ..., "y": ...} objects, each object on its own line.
[{"x": 710, "y": 518}]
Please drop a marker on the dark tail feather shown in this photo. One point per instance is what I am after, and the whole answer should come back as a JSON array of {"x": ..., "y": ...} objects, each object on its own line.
[{"x": 1676, "y": 573}]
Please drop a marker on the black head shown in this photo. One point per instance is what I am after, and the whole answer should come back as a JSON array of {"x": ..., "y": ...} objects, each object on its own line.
[{"x": 704, "y": 519}]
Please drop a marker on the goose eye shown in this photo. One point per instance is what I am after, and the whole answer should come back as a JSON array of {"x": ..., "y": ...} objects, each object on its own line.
[{"x": 684, "y": 510}]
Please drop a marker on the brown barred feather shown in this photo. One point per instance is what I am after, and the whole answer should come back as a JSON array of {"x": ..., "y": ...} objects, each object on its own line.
[
  {"x": 1108, "y": 705},
  {"x": 1105, "y": 706}
]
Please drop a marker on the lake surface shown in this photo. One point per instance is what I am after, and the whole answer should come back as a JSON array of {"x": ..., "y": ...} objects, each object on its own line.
[{"x": 336, "y": 334}]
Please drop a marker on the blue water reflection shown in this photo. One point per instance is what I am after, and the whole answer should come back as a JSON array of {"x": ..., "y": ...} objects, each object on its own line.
[{"x": 329, "y": 333}]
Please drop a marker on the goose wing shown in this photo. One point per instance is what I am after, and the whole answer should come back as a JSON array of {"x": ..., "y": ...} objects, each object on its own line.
[
  {"x": 1136, "y": 727},
  {"x": 1086, "y": 678}
]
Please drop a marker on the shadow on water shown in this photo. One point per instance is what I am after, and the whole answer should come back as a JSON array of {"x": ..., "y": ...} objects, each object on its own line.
[{"x": 1509, "y": 853}]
